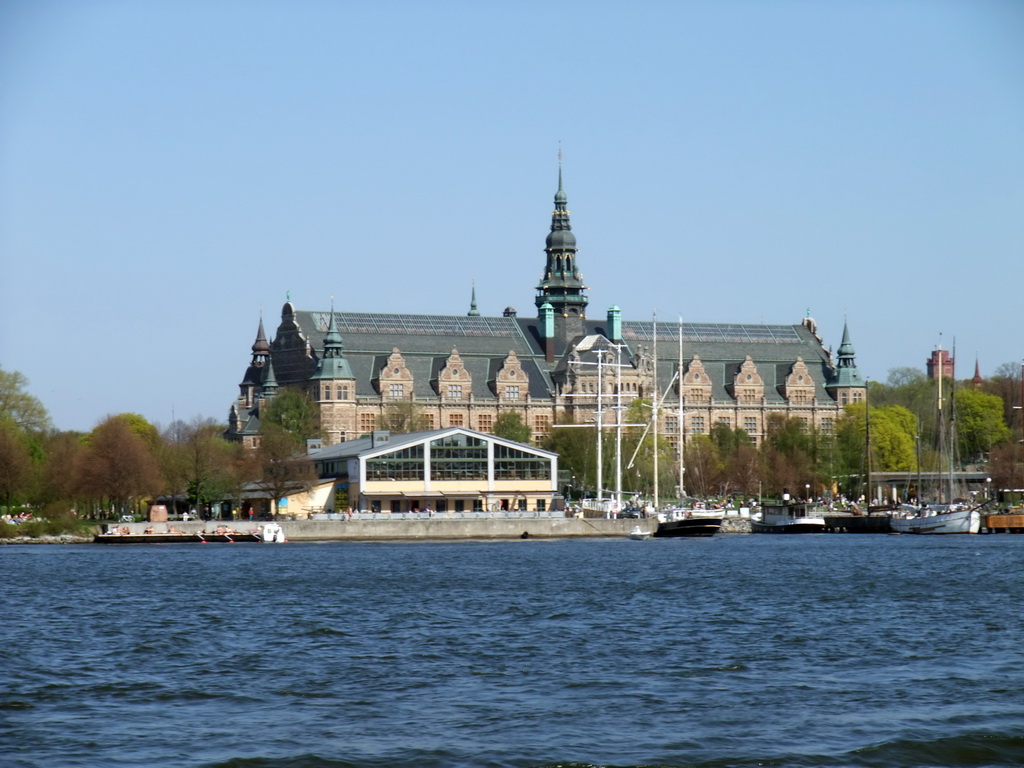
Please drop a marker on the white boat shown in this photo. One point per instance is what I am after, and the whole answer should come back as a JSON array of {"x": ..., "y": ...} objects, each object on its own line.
[
  {"x": 788, "y": 518},
  {"x": 938, "y": 518},
  {"x": 950, "y": 515},
  {"x": 639, "y": 533},
  {"x": 272, "y": 533}
]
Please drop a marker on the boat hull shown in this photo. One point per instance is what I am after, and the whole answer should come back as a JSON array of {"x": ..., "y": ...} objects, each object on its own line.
[
  {"x": 789, "y": 518},
  {"x": 175, "y": 538},
  {"x": 810, "y": 525},
  {"x": 689, "y": 526},
  {"x": 957, "y": 521}
]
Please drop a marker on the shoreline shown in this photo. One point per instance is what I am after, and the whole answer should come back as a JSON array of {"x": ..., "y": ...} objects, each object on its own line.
[{"x": 404, "y": 530}]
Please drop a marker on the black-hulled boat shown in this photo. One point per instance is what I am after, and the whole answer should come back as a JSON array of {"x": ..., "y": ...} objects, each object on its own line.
[{"x": 679, "y": 523}]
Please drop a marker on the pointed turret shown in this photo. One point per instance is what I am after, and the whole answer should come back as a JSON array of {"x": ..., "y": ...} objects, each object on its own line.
[
  {"x": 260, "y": 347},
  {"x": 561, "y": 285},
  {"x": 333, "y": 364},
  {"x": 253, "y": 378},
  {"x": 846, "y": 384},
  {"x": 473, "y": 311},
  {"x": 269, "y": 381}
]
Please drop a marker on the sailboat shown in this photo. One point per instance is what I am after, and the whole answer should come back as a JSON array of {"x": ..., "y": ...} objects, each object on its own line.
[
  {"x": 947, "y": 515},
  {"x": 683, "y": 521}
]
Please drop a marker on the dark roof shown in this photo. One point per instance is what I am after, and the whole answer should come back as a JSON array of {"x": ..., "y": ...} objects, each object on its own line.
[{"x": 426, "y": 341}]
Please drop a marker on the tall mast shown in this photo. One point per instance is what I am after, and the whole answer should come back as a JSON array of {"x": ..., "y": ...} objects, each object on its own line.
[
  {"x": 867, "y": 447},
  {"x": 942, "y": 432},
  {"x": 655, "y": 410},
  {"x": 599, "y": 420},
  {"x": 681, "y": 432},
  {"x": 618, "y": 426}
]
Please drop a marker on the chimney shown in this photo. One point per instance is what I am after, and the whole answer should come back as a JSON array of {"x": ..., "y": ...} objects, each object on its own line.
[
  {"x": 615, "y": 325},
  {"x": 547, "y": 331}
]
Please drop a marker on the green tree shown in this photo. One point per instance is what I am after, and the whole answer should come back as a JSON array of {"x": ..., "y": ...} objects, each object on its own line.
[
  {"x": 510, "y": 425},
  {"x": 15, "y": 462},
  {"x": 848, "y": 452},
  {"x": 738, "y": 470},
  {"x": 402, "y": 417},
  {"x": 18, "y": 406},
  {"x": 294, "y": 411},
  {"x": 638, "y": 454},
  {"x": 1005, "y": 383},
  {"x": 893, "y": 439},
  {"x": 576, "y": 447},
  {"x": 979, "y": 423}
]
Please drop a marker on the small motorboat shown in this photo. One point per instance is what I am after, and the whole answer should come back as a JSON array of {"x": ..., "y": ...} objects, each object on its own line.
[
  {"x": 639, "y": 533},
  {"x": 272, "y": 533}
]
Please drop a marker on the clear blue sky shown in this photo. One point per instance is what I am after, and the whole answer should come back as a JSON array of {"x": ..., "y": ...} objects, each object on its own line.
[{"x": 167, "y": 169}]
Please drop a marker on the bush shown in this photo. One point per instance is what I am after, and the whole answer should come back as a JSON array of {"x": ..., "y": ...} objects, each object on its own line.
[{"x": 54, "y": 520}]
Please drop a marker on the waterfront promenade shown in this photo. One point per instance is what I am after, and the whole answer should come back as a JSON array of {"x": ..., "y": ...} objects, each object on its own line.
[{"x": 387, "y": 528}]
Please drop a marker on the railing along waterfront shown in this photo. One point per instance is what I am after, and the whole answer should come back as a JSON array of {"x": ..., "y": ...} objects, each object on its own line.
[{"x": 552, "y": 514}]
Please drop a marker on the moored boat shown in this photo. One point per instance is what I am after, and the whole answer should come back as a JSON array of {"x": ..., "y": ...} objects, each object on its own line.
[
  {"x": 789, "y": 518},
  {"x": 272, "y": 533},
  {"x": 679, "y": 523},
  {"x": 939, "y": 518},
  {"x": 125, "y": 535}
]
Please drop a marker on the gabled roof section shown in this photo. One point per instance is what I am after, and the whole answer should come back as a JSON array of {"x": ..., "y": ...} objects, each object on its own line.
[
  {"x": 730, "y": 341},
  {"x": 364, "y": 447}
]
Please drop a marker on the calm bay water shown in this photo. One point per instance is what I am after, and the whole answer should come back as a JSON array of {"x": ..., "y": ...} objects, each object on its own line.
[{"x": 826, "y": 650}]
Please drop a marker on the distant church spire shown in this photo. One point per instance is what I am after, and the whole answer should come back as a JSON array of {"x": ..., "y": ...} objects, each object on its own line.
[
  {"x": 473, "y": 311},
  {"x": 561, "y": 285}
]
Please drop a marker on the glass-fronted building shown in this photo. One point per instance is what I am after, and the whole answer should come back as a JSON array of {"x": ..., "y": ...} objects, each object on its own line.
[{"x": 452, "y": 470}]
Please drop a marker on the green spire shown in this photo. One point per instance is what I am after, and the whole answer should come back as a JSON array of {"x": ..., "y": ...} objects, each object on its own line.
[
  {"x": 333, "y": 364},
  {"x": 846, "y": 373},
  {"x": 561, "y": 284}
]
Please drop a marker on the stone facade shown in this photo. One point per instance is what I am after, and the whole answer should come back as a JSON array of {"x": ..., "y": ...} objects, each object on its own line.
[{"x": 466, "y": 370}]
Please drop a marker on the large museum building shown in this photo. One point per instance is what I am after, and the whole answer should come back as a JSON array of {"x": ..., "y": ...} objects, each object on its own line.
[{"x": 464, "y": 370}]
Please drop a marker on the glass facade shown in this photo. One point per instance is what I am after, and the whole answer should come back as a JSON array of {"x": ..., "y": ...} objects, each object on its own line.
[
  {"x": 458, "y": 457},
  {"x": 406, "y": 464},
  {"x": 513, "y": 464}
]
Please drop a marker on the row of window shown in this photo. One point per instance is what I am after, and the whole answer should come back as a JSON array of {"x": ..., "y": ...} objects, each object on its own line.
[
  {"x": 698, "y": 424},
  {"x": 397, "y": 391},
  {"x": 513, "y": 392},
  {"x": 484, "y": 422},
  {"x": 334, "y": 391},
  {"x": 458, "y": 457}
]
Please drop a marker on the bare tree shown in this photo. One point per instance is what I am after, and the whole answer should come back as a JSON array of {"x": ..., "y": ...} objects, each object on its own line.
[{"x": 284, "y": 468}]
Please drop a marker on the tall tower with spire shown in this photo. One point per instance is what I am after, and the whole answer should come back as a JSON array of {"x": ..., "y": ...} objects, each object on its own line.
[
  {"x": 561, "y": 285},
  {"x": 333, "y": 387},
  {"x": 846, "y": 384}
]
